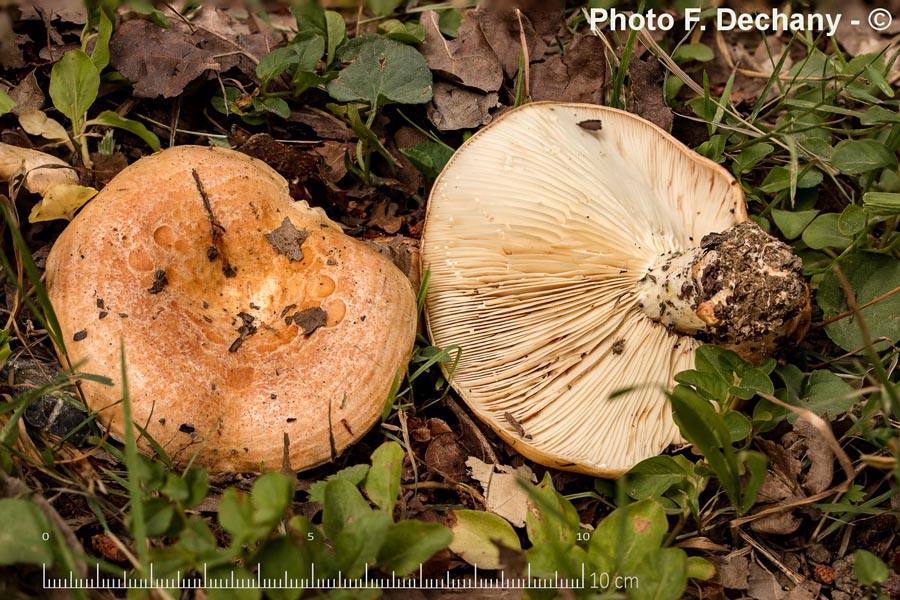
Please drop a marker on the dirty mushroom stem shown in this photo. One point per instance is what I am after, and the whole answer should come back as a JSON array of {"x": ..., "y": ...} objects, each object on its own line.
[{"x": 742, "y": 287}]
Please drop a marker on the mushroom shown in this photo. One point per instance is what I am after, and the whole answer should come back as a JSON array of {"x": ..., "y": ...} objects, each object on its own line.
[
  {"x": 578, "y": 254},
  {"x": 244, "y": 315}
]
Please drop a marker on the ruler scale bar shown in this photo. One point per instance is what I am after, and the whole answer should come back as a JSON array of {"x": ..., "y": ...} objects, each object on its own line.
[{"x": 417, "y": 582}]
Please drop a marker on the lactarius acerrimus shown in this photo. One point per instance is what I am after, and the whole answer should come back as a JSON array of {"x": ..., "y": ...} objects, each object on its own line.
[
  {"x": 576, "y": 251},
  {"x": 244, "y": 315}
]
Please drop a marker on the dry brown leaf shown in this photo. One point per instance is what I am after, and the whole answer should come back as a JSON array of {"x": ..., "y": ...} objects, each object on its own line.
[
  {"x": 808, "y": 590},
  {"x": 540, "y": 21},
  {"x": 503, "y": 494},
  {"x": 41, "y": 170},
  {"x": 27, "y": 95},
  {"x": 733, "y": 572},
  {"x": 446, "y": 456},
  {"x": 11, "y": 56},
  {"x": 763, "y": 585},
  {"x": 647, "y": 88},
  {"x": 575, "y": 77},
  {"x": 454, "y": 107},
  {"x": 162, "y": 62},
  {"x": 821, "y": 459},
  {"x": 780, "y": 523},
  {"x": 467, "y": 60}
]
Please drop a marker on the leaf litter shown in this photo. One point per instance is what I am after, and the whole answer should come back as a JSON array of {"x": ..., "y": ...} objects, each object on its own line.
[{"x": 475, "y": 79}]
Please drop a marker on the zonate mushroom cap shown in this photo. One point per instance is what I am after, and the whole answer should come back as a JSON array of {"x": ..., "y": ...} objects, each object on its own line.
[
  {"x": 568, "y": 244},
  {"x": 244, "y": 315}
]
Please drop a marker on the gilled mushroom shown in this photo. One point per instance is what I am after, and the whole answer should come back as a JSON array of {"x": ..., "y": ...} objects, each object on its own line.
[
  {"x": 577, "y": 251},
  {"x": 243, "y": 314}
]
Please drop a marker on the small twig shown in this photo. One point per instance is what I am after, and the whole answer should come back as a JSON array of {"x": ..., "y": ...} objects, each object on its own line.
[
  {"x": 849, "y": 313},
  {"x": 404, "y": 430},
  {"x": 456, "y": 487},
  {"x": 526, "y": 62},
  {"x": 215, "y": 231},
  {"x": 792, "y": 575},
  {"x": 174, "y": 128}
]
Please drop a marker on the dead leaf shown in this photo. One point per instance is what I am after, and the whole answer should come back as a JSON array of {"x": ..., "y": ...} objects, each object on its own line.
[
  {"x": 324, "y": 125},
  {"x": 332, "y": 153},
  {"x": 41, "y": 170},
  {"x": 446, "y": 457},
  {"x": 502, "y": 493},
  {"x": 821, "y": 459},
  {"x": 27, "y": 95},
  {"x": 11, "y": 56},
  {"x": 384, "y": 216},
  {"x": 808, "y": 590},
  {"x": 732, "y": 572},
  {"x": 575, "y": 77},
  {"x": 763, "y": 585},
  {"x": 60, "y": 202},
  {"x": 647, "y": 88},
  {"x": 467, "y": 60},
  {"x": 69, "y": 11},
  {"x": 291, "y": 162},
  {"x": 500, "y": 25},
  {"x": 36, "y": 122},
  {"x": 404, "y": 253},
  {"x": 780, "y": 523},
  {"x": 287, "y": 240},
  {"x": 162, "y": 62},
  {"x": 308, "y": 320},
  {"x": 107, "y": 166},
  {"x": 861, "y": 39},
  {"x": 454, "y": 107}
]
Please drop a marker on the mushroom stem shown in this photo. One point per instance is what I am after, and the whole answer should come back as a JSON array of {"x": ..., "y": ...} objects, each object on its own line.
[{"x": 742, "y": 287}]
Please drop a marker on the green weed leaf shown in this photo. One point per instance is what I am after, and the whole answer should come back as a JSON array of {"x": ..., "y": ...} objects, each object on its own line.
[
  {"x": 343, "y": 504},
  {"x": 411, "y": 543},
  {"x": 882, "y": 204},
  {"x": 6, "y": 103},
  {"x": 661, "y": 575},
  {"x": 853, "y": 157},
  {"x": 870, "y": 570},
  {"x": 271, "y": 494},
  {"x": 654, "y": 476},
  {"x": 550, "y": 516},
  {"x": 381, "y": 71},
  {"x": 336, "y": 32},
  {"x": 359, "y": 543},
  {"x": 476, "y": 535},
  {"x": 826, "y": 394},
  {"x": 355, "y": 475},
  {"x": 852, "y": 220},
  {"x": 383, "y": 8},
  {"x": 870, "y": 276},
  {"x": 113, "y": 119},
  {"x": 429, "y": 158},
  {"x": 693, "y": 52},
  {"x": 280, "y": 556},
  {"x": 20, "y": 536},
  {"x": 100, "y": 53},
  {"x": 792, "y": 223},
  {"x": 383, "y": 481},
  {"x": 74, "y": 84},
  {"x": 625, "y": 538},
  {"x": 824, "y": 232}
]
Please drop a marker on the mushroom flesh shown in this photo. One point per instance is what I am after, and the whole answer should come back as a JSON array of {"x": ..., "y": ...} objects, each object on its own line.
[
  {"x": 244, "y": 315},
  {"x": 577, "y": 255}
]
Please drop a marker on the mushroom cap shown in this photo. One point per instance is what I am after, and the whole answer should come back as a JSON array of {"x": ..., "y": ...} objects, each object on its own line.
[
  {"x": 218, "y": 365},
  {"x": 537, "y": 233}
]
